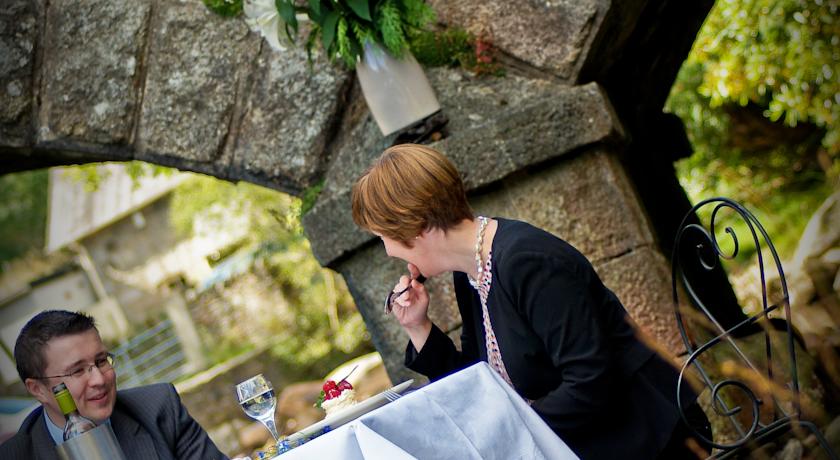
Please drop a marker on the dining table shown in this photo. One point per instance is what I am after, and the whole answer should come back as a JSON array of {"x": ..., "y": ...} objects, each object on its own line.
[{"x": 470, "y": 414}]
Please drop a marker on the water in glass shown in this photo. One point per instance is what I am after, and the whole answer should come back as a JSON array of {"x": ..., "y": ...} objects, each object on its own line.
[{"x": 256, "y": 396}]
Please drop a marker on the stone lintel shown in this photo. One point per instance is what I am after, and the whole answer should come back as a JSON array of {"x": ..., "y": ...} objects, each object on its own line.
[
  {"x": 564, "y": 119},
  {"x": 92, "y": 52},
  {"x": 197, "y": 66},
  {"x": 552, "y": 36},
  {"x": 289, "y": 117},
  {"x": 18, "y": 35}
]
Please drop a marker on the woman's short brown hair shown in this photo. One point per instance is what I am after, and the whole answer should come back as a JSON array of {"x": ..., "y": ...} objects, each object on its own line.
[{"x": 410, "y": 188}]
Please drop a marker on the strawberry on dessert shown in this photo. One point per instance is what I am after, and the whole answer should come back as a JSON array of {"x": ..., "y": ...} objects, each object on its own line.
[{"x": 336, "y": 396}]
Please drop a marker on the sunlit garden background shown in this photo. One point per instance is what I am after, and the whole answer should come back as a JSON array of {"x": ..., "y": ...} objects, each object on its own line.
[{"x": 760, "y": 99}]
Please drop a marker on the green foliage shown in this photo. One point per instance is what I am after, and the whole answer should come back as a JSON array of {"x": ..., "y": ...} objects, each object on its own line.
[
  {"x": 270, "y": 214},
  {"x": 23, "y": 212},
  {"x": 322, "y": 322},
  {"x": 780, "y": 54},
  {"x": 393, "y": 36},
  {"x": 226, "y": 8},
  {"x": 759, "y": 97},
  {"x": 310, "y": 196},
  {"x": 454, "y": 47},
  {"x": 344, "y": 26},
  {"x": 91, "y": 175}
]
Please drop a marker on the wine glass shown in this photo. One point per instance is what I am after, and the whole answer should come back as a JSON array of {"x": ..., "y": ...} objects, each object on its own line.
[{"x": 256, "y": 396}]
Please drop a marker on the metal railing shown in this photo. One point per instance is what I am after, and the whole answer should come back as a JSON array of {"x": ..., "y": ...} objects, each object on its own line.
[{"x": 155, "y": 355}]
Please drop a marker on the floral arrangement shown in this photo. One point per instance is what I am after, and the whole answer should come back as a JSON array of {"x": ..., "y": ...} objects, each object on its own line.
[{"x": 343, "y": 27}]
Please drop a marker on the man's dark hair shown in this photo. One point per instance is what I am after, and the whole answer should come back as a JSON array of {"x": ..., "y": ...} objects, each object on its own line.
[{"x": 45, "y": 326}]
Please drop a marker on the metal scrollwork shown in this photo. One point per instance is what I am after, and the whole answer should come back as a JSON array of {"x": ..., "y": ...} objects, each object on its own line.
[{"x": 707, "y": 254}]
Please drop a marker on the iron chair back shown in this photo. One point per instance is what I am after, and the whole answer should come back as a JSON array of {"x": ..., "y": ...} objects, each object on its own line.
[{"x": 754, "y": 377}]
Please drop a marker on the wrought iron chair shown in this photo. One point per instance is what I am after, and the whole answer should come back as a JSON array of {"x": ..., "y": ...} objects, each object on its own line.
[{"x": 767, "y": 384}]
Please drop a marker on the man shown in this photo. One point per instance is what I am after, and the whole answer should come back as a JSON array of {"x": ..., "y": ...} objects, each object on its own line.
[{"x": 150, "y": 422}]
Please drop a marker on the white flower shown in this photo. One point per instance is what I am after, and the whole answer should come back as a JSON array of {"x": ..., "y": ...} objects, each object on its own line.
[{"x": 261, "y": 16}]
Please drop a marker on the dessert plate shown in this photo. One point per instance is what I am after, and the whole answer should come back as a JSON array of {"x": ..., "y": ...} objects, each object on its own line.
[{"x": 346, "y": 415}]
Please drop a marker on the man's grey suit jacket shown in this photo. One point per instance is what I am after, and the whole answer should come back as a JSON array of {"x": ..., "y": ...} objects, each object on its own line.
[{"x": 150, "y": 423}]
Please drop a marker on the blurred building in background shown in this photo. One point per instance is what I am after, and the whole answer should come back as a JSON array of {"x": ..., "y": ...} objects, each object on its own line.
[{"x": 112, "y": 253}]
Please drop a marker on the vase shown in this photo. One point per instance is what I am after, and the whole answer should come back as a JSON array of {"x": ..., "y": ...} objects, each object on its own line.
[{"x": 396, "y": 90}]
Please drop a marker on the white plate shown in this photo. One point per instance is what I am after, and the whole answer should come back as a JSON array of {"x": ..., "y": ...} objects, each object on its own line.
[{"x": 351, "y": 413}]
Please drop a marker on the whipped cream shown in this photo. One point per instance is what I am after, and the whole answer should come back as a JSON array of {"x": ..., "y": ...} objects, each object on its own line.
[{"x": 346, "y": 399}]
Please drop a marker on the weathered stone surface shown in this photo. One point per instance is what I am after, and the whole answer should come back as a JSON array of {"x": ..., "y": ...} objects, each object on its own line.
[
  {"x": 585, "y": 200},
  {"x": 471, "y": 102},
  {"x": 528, "y": 128},
  {"x": 196, "y": 65},
  {"x": 92, "y": 54},
  {"x": 362, "y": 143},
  {"x": 332, "y": 210},
  {"x": 330, "y": 228},
  {"x": 291, "y": 111},
  {"x": 642, "y": 281},
  {"x": 548, "y": 35},
  {"x": 567, "y": 119},
  {"x": 18, "y": 32}
]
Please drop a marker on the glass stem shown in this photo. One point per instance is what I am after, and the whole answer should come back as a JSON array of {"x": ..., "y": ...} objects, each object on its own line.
[{"x": 269, "y": 423}]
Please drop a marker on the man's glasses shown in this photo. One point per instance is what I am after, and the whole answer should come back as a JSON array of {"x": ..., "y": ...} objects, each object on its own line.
[
  {"x": 104, "y": 365},
  {"x": 392, "y": 296}
]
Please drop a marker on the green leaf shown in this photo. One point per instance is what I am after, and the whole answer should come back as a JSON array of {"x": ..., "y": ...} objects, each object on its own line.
[
  {"x": 226, "y": 8},
  {"x": 361, "y": 8},
  {"x": 286, "y": 9},
  {"x": 328, "y": 30},
  {"x": 390, "y": 26},
  {"x": 310, "y": 43},
  {"x": 343, "y": 41},
  {"x": 315, "y": 7}
]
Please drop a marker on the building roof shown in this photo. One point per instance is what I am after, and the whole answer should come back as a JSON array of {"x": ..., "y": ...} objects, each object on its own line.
[{"x": 74, "y": 212}]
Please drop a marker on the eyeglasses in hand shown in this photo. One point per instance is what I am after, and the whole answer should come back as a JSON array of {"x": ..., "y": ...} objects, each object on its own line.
[{"x": 392, "y": 296}]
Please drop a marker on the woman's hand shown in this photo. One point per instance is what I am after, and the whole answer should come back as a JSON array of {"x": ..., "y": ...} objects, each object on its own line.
[{"x": 412, "y": 308}]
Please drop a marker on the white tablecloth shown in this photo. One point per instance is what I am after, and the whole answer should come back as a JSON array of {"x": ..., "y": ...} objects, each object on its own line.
[{"x": 472, "y": 414}]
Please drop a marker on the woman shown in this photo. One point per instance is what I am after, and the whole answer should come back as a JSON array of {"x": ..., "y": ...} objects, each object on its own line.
[{"x": 532, "y": 307}]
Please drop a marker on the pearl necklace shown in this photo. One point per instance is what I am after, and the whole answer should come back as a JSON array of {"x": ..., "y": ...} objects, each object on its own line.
[{"x": 479, "y": 243}]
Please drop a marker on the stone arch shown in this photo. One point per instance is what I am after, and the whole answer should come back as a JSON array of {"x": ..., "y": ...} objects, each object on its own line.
[{"x": 573, "y": 138}]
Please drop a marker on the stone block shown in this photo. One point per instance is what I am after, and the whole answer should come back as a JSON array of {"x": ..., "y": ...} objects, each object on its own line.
[
  {"x": 642, "y": 281},
  {"x": 551, "y": 35},
  {"x": 196, "y": 67},
  {"x": 363, "y": 143},
  {"x": 18, "y": 34},
  {"x": 471, "y": 102},
  {"x": 290, "y": 115},
  {"x": 90, "y": 88},
  {"x": 586, "y": 200},
  {"x": 558, "y": 120},
  {"x": 330, "y": 228}
]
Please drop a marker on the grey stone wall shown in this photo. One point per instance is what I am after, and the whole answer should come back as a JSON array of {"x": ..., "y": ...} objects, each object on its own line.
[{"x": 555, "y": 142}]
